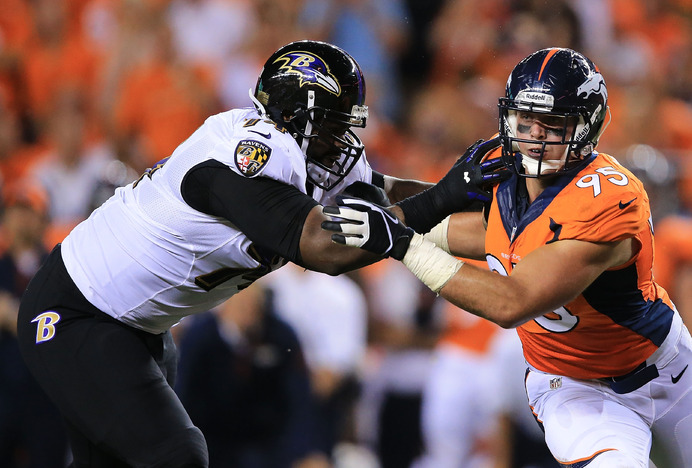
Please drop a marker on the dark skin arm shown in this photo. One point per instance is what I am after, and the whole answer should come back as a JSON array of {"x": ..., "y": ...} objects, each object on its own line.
[
  {"x": 398, "y": 189},
  {"x": 318, "y": 251}
]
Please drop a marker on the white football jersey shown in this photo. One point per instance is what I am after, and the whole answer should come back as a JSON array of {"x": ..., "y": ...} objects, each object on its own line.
[{"x": 137, "y": 256}]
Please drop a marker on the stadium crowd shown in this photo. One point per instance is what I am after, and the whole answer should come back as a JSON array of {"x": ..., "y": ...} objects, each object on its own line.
[{"x": 93, "y": 92}]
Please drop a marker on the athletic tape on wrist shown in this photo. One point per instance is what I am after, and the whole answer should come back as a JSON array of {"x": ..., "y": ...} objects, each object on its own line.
[
  {"x": 438, "y": 235},
  {"x": 432, "y": 265}
]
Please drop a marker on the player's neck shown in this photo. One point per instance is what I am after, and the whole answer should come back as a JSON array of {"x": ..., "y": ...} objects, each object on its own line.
[{"x": 535, "y": 187}]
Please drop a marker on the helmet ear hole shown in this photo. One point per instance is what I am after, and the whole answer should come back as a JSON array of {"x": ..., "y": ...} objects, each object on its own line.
[
  {"x": 287, "y": 116},
  {"x": 512, "y": 124},
  {"x": 604, "y": 125}
]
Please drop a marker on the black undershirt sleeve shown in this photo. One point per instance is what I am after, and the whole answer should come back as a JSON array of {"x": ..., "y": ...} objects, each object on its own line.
[
  {"x": 378, "y": 179},
  {"x": 268, "y": 212}
]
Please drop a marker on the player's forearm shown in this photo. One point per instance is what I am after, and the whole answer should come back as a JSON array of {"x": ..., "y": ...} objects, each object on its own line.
[
  {"x": 398, "y": 189},
  {"x": 335, "y": 260},
  {"x": 466, "y": 235},
  {"x": 500, "y": 299},
  {"x": 488, "y": 295},
  {"x": 319, "y": 253}
]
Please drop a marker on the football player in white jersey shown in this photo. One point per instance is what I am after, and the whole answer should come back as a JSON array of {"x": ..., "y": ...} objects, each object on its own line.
[{"x": 236, "y": 200}]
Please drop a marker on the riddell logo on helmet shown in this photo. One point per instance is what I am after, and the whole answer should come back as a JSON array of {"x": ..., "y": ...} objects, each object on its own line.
[
  {"x": 311, "y": 69},
  {"x": 532, "y": 97},
  {"x": 584, "y": 132}
]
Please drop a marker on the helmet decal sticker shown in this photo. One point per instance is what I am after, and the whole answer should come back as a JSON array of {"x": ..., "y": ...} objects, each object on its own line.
[
  {"x": 547, "y": 58},
  {"x": 595, "y": 84},
  {"x": 251, "y": 157},
  {"x": 311, "y": 69},
  {"x": 542, "y": 100}
]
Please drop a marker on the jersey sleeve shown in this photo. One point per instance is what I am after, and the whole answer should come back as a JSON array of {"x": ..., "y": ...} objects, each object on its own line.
[
  {"x": 268, "y": 212},
  {"x": 254, "y": 148}
]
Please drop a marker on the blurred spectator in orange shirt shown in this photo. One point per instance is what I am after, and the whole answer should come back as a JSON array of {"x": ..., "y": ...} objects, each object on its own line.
[
  {"x": 55, "y": 57},
  {"x": 674, "y": 248},
  {"x": 16, "y": 157},
  {"x": 162, "y": 101},
  {"x": 15, "y": 30}
]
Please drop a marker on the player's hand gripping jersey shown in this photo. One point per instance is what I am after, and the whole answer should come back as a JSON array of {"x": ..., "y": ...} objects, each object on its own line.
[
  {"x": 148, "y": 258},
  {"x": 603, "y": 202}
]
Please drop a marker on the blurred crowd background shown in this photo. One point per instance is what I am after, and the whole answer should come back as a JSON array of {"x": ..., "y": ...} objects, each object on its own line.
[{"x": 304, "y": 370}]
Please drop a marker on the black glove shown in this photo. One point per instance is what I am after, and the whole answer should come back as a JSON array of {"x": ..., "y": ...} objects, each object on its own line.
[
  {"x": 360, "y": 223},
  {"x": 467, "y": 181},
  {"x": 369, "y": 192}
]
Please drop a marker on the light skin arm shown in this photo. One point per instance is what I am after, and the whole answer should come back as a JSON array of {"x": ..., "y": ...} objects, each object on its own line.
[
  {"x": 543, "y": 281},
  {"x": 466, "y": 235},
  {"x": 546, "y": 279}
]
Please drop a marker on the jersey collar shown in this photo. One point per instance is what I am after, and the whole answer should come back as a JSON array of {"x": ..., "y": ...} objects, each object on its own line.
[{"x": 515, "y": 211}]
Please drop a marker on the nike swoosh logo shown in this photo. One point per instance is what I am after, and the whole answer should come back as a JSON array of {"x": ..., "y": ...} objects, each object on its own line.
[
  {"x": 625, "y": 205},
  {"x": 675, "y": 378},
  {"x": 265, "y": 135}
]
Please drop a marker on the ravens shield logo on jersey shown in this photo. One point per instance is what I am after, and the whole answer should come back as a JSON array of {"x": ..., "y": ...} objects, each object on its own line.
[{"x": 251, "y": 156}]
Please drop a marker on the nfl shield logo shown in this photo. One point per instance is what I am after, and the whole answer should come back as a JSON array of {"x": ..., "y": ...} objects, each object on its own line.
[{"x": 555, "y": 383}]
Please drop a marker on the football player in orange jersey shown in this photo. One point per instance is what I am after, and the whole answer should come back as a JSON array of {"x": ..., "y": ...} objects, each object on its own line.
[{"x": 569, "y": 240}]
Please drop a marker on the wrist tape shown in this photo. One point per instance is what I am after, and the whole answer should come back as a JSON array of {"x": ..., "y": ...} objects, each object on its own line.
[
  {"x": 438, "y": 235},
  {"x": 432, "y": 265}
]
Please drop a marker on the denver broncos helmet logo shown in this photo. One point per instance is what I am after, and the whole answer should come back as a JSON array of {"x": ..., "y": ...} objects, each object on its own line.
[
  {"x": 595, "y": 84},
  {"x": 311, "y": 69}
]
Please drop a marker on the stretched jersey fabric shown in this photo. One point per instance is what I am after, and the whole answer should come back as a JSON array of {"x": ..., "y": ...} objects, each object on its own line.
[
  {"x": 623, "y": 316},
  {"x": 148, "y": 259}
]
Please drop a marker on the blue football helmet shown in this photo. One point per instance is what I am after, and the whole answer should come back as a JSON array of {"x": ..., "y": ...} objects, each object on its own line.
[{"x": 568, "y": 88}]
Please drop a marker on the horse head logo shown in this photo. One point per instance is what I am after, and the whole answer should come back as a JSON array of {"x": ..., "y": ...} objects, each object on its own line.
[{"x": 595, "y": 84}]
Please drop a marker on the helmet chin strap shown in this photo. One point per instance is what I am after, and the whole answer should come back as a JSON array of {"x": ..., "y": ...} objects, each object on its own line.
[
  {"x": 258, "y": 105},
  {"x": 315, "y": 172},
  {"x": 308, "y": 125},
  {"x": 531, "y": 165}
]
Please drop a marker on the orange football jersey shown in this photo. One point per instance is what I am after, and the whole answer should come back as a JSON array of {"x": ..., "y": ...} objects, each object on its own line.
[{"x": 623, "y": 316}]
